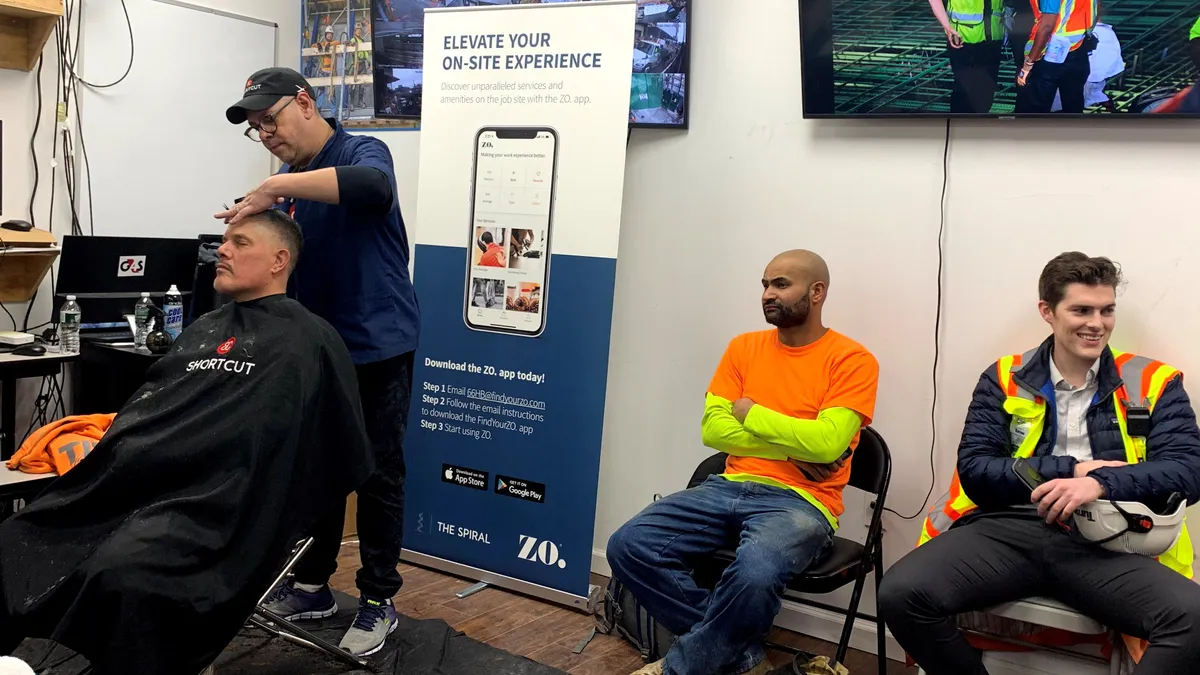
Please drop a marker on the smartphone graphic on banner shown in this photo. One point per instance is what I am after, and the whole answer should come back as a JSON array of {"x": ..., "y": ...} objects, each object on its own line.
[{"x": 512, "y": 218}]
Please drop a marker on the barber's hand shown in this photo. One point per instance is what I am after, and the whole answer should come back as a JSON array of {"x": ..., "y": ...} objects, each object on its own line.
[
  {"x": 1058, "y": 499},
  {"x": 819, "y": 472},
  {"x": 257, "y": 200},
  {"x": 741, "y": 408},
  {"x": 1084, "y": 468}
]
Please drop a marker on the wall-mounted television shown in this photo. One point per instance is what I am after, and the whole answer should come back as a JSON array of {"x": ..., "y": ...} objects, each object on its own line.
[
  {"x": 999, "y": 58},
  {"x": 658, "y": 93}
]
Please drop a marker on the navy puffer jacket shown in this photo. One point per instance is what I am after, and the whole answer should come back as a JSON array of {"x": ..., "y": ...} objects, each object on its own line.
[{"x": 1172, "y": 448}]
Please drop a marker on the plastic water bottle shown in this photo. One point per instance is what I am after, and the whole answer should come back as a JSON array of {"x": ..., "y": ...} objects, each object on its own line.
[
  {"x": 141, "y": 319},
  {"x": 173, "y": 308},
  {"x": 68, "y": 326}
]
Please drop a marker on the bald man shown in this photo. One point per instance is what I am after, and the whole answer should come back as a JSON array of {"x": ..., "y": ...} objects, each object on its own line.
[{"x": 785, "y": 406}]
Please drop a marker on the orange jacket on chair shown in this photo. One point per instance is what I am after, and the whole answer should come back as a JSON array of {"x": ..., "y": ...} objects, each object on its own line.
[{"x": 58, "y": 446}]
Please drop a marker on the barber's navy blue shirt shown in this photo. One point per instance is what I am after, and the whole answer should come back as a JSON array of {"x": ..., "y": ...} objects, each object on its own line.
[{"x": 353, "y": 271}]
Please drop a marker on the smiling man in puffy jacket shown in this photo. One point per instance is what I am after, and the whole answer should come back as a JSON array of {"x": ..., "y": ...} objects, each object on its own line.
[{"x": 1076, "y": 410}]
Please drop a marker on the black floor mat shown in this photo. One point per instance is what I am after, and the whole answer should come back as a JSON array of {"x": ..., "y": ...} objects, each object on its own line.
[{"x": 417, "y": 647}]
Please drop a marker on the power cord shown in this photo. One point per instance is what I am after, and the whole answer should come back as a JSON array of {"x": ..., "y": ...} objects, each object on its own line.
[{"x": 937, "y": 333}]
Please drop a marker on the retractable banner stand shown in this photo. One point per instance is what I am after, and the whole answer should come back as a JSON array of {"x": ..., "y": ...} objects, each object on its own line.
[{"x": 523, "y": 134}]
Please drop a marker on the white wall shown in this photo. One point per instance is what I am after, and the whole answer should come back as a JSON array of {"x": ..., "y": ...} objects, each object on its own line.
[
  {"x": 18, "y": 108},
  {"x": 705, "y": 211}
]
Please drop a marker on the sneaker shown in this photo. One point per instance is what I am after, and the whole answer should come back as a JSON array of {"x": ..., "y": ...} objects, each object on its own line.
[
  {"x": 376, "y": 620},
  {"x": 292, "y": 604},
  {"x": 655, "y": 668}
]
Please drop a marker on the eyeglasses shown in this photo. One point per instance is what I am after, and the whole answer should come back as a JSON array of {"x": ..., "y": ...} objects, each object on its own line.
[{"x": 268, "y": 124}]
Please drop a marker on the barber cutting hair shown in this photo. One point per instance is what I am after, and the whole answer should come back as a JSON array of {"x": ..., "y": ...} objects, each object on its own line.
[
  {"x": 1076, "y": 464},
  {"x": 341, "y": 188}
]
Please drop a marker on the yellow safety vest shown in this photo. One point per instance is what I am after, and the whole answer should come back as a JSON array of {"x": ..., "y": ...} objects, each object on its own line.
[
  {"x": 1195, "y": 34},
  {"x": 1028, "y": 419},
  {"x": 968, "y": 18}
]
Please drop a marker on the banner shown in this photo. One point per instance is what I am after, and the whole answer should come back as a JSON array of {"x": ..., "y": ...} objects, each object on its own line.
[{"x": 522, "y": 169}]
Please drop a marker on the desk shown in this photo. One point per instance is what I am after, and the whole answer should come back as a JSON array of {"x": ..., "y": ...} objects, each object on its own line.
[
  {"x": 18, "y": 484},
  {"x": 109, "y": 375},
  {"x": 13, "y": 368}
]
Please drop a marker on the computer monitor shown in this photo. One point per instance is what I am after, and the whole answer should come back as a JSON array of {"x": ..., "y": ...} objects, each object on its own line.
[{"x": 107, "y": 275}]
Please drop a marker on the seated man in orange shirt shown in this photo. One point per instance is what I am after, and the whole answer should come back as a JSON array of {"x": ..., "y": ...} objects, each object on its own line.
[{"x": 785, "y": 405}]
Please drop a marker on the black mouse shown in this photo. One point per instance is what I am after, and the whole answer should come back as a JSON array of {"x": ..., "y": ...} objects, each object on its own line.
[
  {"x": 29, "y": 350},
  {"x": 18, "y": 225}
]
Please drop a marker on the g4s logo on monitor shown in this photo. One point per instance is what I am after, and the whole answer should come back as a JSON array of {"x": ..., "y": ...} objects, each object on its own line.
[{"x": 131, "y": 266}]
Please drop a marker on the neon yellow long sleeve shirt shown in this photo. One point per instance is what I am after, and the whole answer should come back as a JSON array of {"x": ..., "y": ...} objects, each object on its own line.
[{"x": 767, "y": 434}]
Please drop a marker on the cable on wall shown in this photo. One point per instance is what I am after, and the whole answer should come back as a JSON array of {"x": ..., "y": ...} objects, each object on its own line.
[{"x": 937, "y": 332}]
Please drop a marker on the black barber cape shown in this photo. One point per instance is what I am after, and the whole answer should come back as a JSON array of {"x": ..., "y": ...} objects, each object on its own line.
[{"x": 151, "y": 553}]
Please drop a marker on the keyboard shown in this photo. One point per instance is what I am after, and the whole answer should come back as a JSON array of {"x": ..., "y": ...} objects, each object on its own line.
[{"x": 108, "y": 336}]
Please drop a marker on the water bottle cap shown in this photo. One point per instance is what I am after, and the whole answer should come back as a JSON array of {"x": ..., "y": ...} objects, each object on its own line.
[
  {"x": 173, "y": 289},
  {"x": 70, "y": 297}
]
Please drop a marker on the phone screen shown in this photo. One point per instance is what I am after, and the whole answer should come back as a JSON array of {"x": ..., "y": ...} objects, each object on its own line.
[
  {"x": 508, "y": 263},
  {"x": 1028, "y": 475}
]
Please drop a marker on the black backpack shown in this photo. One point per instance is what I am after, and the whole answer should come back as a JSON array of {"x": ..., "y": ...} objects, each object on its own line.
[{"x": 622, "y": 612}]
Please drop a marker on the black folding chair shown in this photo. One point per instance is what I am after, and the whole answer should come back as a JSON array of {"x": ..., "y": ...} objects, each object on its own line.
[{"x": 846, "y": 561}]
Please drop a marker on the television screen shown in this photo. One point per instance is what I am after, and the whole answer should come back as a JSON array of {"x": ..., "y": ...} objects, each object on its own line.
[
  {"x": 999, "y": 57},
  {"x": 660, "y": 58}
]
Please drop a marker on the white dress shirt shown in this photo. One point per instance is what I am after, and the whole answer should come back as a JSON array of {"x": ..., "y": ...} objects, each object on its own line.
[{"x": 1072, "y": 403}]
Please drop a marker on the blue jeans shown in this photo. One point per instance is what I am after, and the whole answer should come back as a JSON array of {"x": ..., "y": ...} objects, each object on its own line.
[{"x": 776, "y": 533}]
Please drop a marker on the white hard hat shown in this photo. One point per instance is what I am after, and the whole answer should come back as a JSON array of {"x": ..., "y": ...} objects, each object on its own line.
[
  {"x": 14, "y": 666},
  {"x": 1131, "y": 527}
]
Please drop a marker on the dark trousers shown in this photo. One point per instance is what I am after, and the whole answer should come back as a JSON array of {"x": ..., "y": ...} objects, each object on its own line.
[
  {"x": 386, "y": 391},
  {"x": 1067, "y": 79},
  {"x": 1000, "y": 559},
  {"x": 976, "y": 68}
]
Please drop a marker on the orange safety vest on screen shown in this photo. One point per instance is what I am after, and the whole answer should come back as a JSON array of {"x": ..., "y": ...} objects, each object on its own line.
[
  {"x": 1074, "y": 21},
  {"x": 1028, "y": 416}
]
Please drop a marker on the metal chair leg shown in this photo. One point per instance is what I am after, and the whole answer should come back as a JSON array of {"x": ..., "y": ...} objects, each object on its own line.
[
  {"x": 264, "y": 618},
  {"x": 280, "y": 627},
  {"x": 851, "y": 614},
  {"x": 879, "y": 625}
]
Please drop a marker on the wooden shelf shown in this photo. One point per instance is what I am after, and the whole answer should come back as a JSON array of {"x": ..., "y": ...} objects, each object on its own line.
[{"x": 25, "y": 25}]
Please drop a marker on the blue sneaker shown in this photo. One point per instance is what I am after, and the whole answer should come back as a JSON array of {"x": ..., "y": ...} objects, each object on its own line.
[
  {"x": 292, "y": 604},
  {"x": 376, "y": 620}
]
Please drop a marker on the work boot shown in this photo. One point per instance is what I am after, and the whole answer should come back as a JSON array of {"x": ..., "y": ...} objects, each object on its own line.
[
  {"x": 376, "y": 620},
  {"x": 655, "y": 668},
  {"x": 292, "y": 603}
]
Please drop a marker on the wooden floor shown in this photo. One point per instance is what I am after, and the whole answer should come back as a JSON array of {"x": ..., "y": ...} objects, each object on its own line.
[{"x": 544, "y": 632}]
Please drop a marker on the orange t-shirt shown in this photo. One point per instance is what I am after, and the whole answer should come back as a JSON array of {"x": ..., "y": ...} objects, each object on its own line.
[
  {"x": 833, "y": 372},
  {"x": 493, "y": 257}
]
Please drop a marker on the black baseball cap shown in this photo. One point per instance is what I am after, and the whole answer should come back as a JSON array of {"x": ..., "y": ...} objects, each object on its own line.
[{"x": 265, "y": 88}]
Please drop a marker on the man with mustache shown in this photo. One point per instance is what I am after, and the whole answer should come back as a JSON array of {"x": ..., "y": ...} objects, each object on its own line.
[
  {"x": 1096, "y": 424},
  {"x": 786, "y": 405},
  {"x": 341, "y": 188}
]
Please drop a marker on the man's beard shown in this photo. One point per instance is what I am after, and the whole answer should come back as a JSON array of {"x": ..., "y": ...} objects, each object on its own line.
[{"x": 789, "y": 316}]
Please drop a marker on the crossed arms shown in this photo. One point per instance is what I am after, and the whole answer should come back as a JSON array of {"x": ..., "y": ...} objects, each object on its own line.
[
  {"x": 985, "y": 457},
  {"x": 746, "y": 429}
]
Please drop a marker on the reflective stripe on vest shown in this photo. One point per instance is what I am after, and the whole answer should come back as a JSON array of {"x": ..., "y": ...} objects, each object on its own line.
[
  {"x": 976, "y": 20},
  {"x": 1074, "y": 21},
  {"x": 1143, "y": 380}
]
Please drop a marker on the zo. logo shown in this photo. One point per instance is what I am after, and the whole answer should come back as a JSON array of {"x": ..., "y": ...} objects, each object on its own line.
[
  {"x": 225, "y": 346},
  {"x": 544, "y": 552},
  {"x": 131, "y": 266},
  {"x": 487, "y": 144}
]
